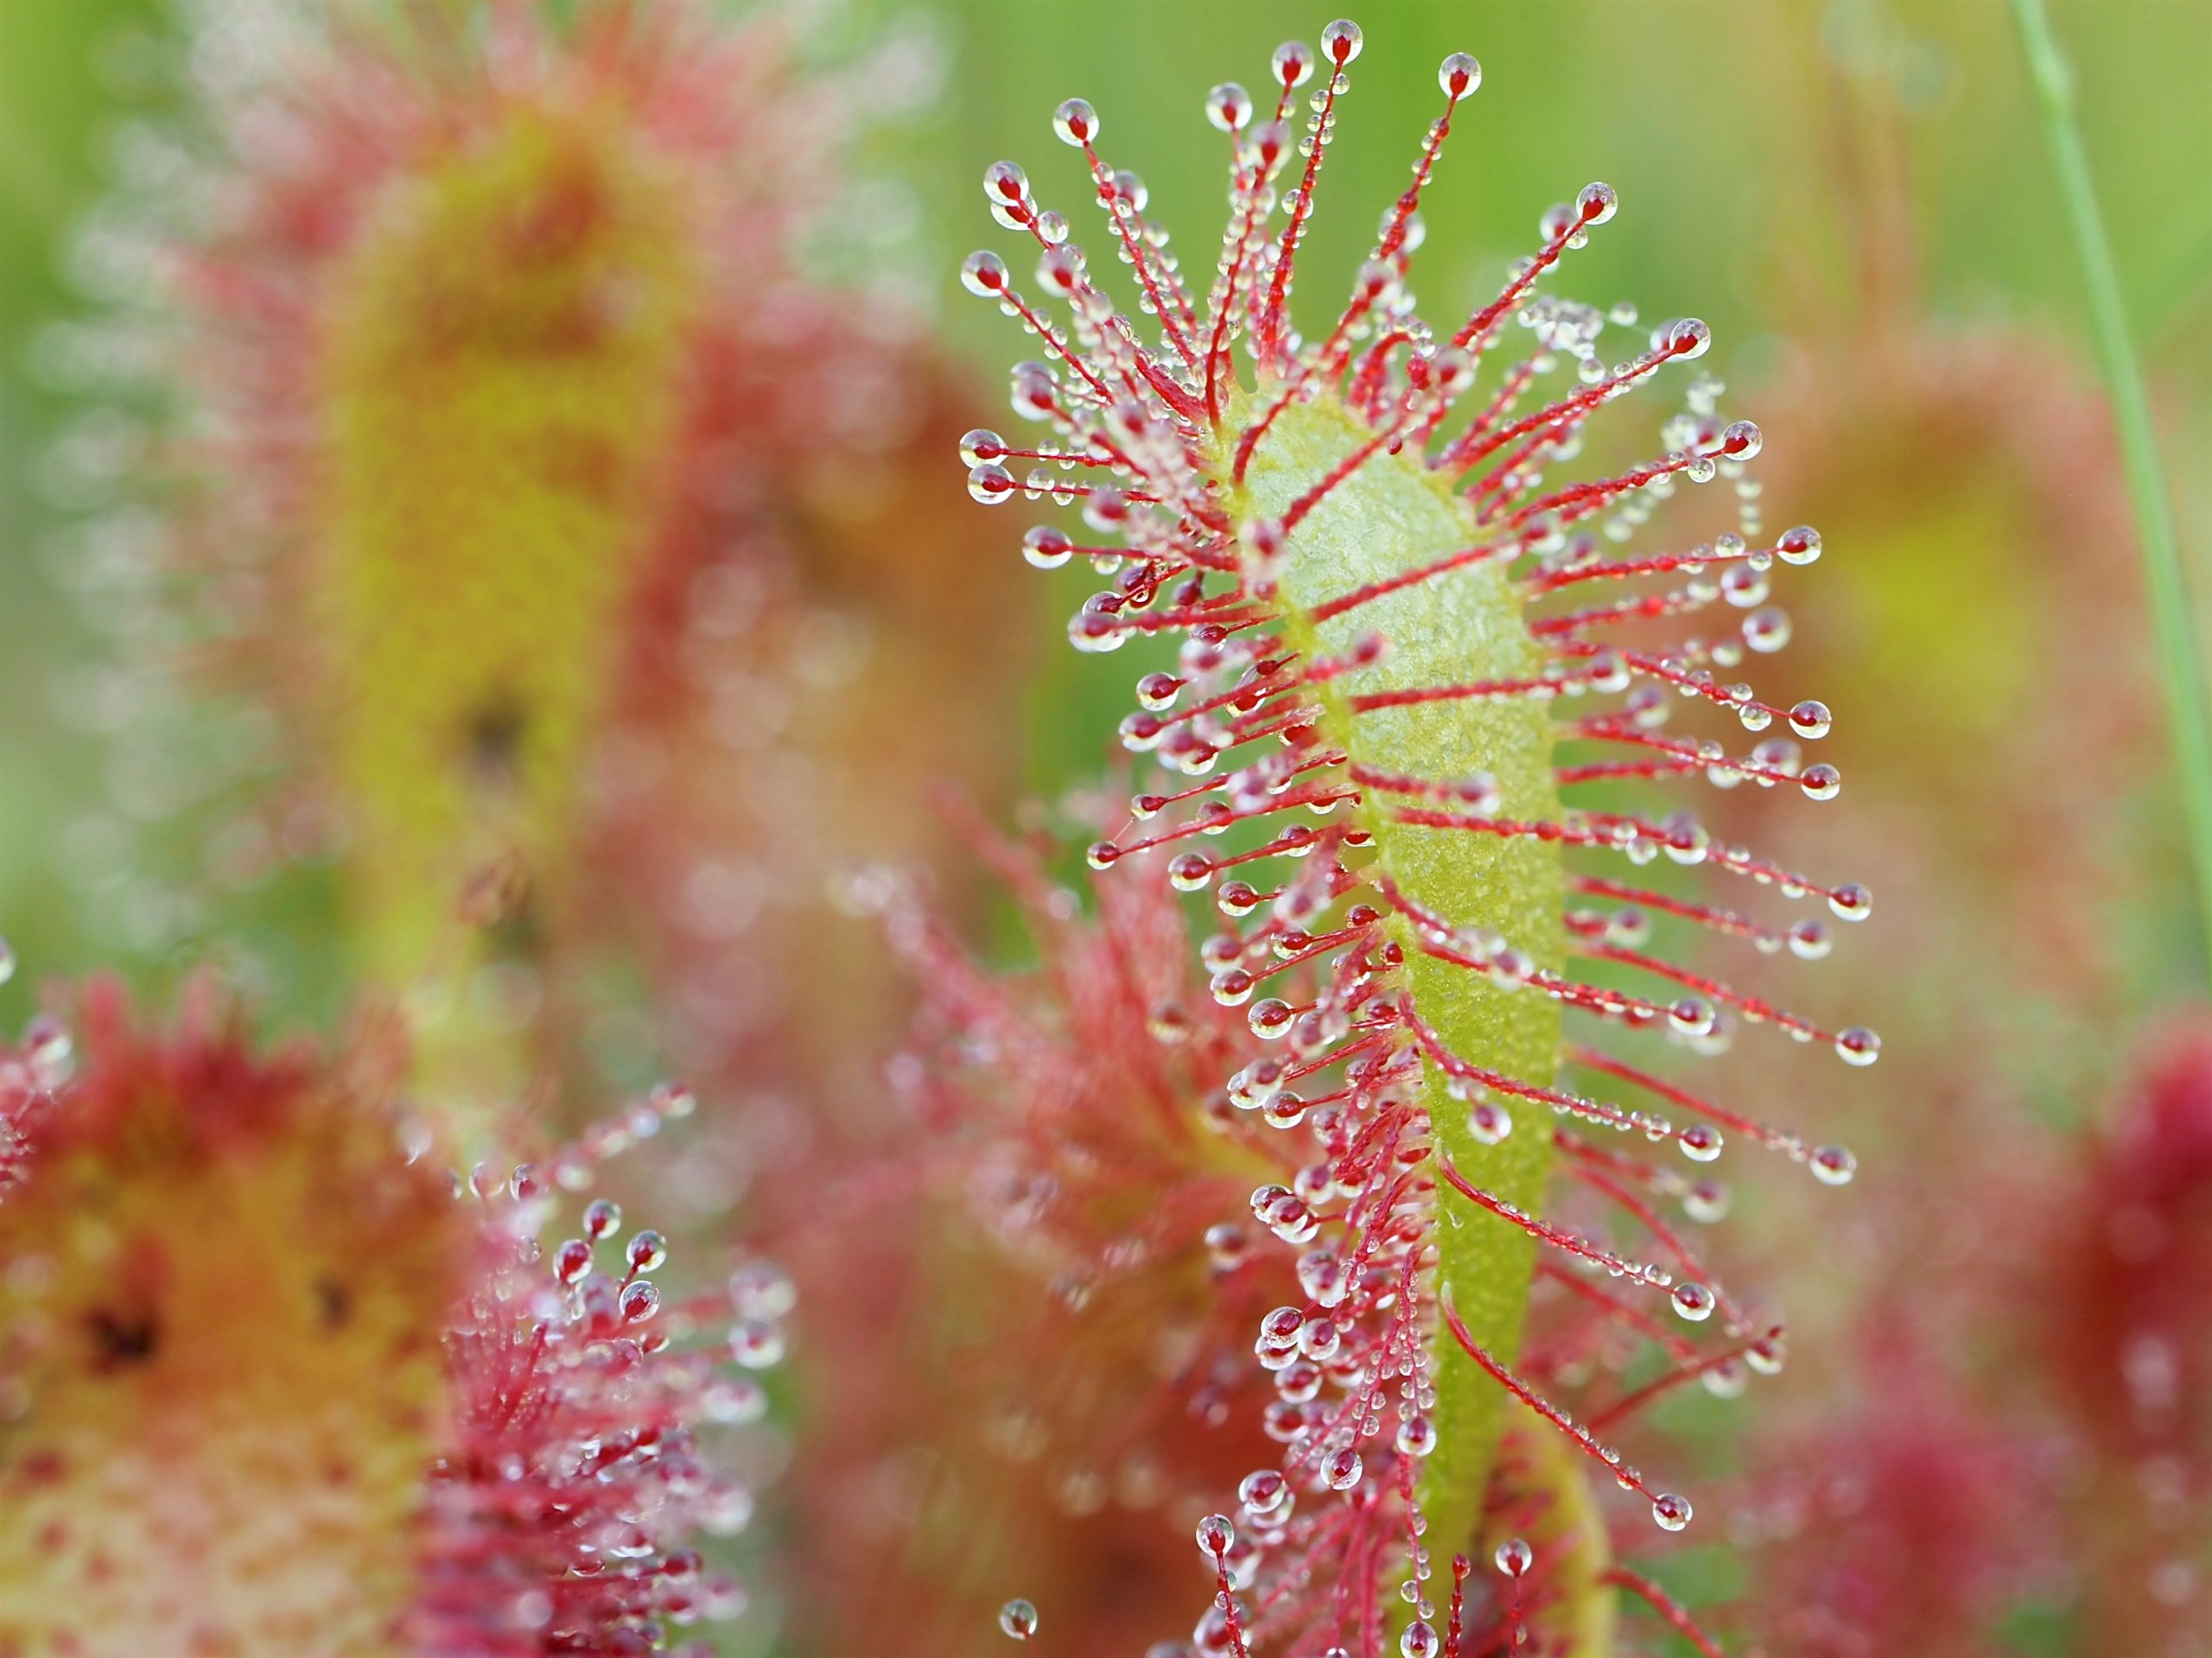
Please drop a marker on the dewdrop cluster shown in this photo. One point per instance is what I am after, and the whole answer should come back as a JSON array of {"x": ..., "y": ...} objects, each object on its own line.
[
  {"x": 564, "y": 1514},
  {"x": 1410, "y": 641}
]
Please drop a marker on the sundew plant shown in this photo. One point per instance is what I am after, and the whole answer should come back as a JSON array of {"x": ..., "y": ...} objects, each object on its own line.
[
  {"x": 572, "y": 1107},
  {"x": 1404, "y": 657}
]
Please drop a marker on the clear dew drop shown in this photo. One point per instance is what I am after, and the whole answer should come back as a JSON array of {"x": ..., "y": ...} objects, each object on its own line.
[
  {"x": 1515, "y": 1558},
  {"x": 1809, "y": 940},
  {"x": 1689, "y": 338},
  {"x": 761, "y": 1289},
  {"x": 1743, "y": 585},
  {"x": 1076, "y": 122},
  {"x": 1726, "y": 1379},
  {"x": 1490, "y": 1123},
  {"x": 983, "y": 273},
  {"x": 1156, "y": 692},
  {"x": 1341, "y": 1472},
  {"x": 1006, "y": 182},
  {"x": 1169, "y": 1024},
  {"x": 1342, "y": 40},
  {"x": 1232, "y": 987},
  {"x": 1858, "y": 1045},
  {"x": 1811, "y": 720},
  {"x": 1767, "y": 629},
  {"x": 1834, "y": 1166},
  {"x": 1459, "y": 74},
  {"x": 1190, "y": 872},
  {"x": 1799, "y": 546},
  {"x": 1047, "y": 547},
  {"x": 1706, "y": 1201},
  {"x": 1693, "y": 1016},
  {"x": 1228, "y": 106},
  {"x": 1693, "y": 1301},
  {"x": 1741, "y": 440},
  {"x": 734, "y": 1400},
  {"x": 1019, "y": 1619},
  {"x": 1215, "y": 1536},
  {"x": 1671, "y": 1513},
  {"x": 1262, "y": 1492},
  {"x": 571, "y": 1261},
  {"x": 756, "y": 1344}
]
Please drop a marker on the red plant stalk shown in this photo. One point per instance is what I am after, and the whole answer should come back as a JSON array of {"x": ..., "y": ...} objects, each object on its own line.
[{"x": 1386, "y": 594}]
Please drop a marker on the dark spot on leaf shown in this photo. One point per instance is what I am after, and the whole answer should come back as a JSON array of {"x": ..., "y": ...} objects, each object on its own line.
[
  {"x": 123, "y": 1340},
  {"x": 494, "y": 744}
]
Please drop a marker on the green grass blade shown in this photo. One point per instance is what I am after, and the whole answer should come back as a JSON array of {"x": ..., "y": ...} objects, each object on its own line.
[{"x": 2181, "y": 666}]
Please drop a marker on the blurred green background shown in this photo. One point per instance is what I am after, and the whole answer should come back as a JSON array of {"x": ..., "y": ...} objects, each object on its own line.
[{"x": 1777, "y": 163}]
